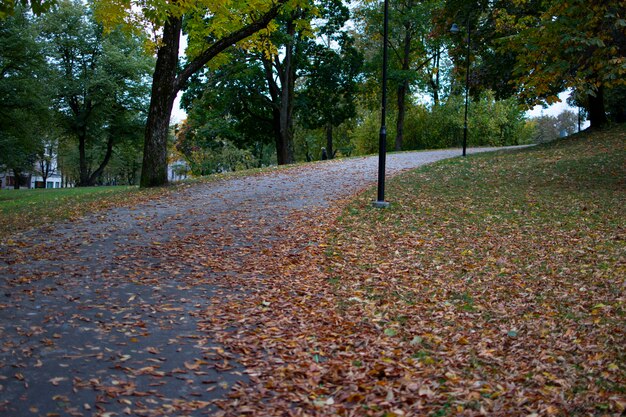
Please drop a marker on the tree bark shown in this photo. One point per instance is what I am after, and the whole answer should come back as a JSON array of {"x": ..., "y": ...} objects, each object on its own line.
[
  {"x": 83, "y": 181},
  {"x": 44, "y": 168},
  {"x": 287, "y": 81},
  {"x": 275, "y": 97},
  {"x": 597, "y": 113},
  {"x": 17, "y": 177},
  {"x": 435, "y": 83},
  {"x": 402, "y": 89},
  {"x": 154, "y": 167}
]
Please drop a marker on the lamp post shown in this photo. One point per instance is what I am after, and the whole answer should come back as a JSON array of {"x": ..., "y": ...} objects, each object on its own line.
[
  {"x": 382, "y": 139},
  {"x": 455, "y": 29}
]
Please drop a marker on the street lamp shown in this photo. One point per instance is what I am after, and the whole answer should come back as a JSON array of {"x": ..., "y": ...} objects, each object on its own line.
[
  {"x": 455, "y": 29},
  {"x": 382, "y": 139}
]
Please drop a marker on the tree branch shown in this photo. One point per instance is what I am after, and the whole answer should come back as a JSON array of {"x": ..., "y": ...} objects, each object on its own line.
[{"x": 222, "y": 44}]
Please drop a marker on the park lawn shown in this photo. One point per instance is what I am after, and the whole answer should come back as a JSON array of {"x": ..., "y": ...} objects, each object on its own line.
[
  {"x": 22, "y": 210},
  {"x": 497, "y": 282}
]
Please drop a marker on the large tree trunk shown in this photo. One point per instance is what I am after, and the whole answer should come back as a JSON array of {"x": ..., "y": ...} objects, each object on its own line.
[
  {"x": 44, "y": 168},
  {"x": 276, "y": 97},
  {"x": 287, "y": 80},
  {"x": 435, "y": 83},
  {"x": 17, "y": 177},
  {"x": 279, "y": 140},
  {"x": 597, "y": 113},
  {"x": 154, "y": 167}
]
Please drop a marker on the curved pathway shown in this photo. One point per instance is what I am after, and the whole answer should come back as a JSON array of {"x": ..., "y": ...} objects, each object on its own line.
[{"x": 103, "y": 316}]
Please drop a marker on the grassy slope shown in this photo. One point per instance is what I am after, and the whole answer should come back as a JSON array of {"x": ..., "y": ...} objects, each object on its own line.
[{"x": 498, "y": 280}]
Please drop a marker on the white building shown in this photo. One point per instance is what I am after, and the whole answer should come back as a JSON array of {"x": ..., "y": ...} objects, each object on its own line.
[{"x": 53, "y": 181}]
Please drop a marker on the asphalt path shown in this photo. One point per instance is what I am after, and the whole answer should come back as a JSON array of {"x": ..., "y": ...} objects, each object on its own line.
[{"x": 102, "y": 316}]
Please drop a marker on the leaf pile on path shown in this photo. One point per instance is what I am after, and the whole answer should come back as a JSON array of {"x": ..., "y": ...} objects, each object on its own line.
[{"x": 494, "y": 285}]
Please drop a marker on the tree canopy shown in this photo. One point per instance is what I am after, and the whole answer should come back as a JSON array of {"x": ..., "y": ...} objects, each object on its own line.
[{"x": 271, "y": 81}]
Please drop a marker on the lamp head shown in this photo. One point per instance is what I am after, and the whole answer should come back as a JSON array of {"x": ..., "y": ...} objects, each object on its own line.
[{"x": 454, "y": 28}]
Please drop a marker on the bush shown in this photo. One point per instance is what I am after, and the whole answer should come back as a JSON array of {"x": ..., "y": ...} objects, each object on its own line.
[
  {"x": 364, "y": 136},
  {"x": 490, "y": 123},
  {"x": 225, "y": 157}
]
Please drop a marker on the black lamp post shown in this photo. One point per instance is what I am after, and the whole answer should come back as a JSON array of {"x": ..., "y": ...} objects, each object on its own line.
[
  {"x": 382, "y": 140},
  {"x": 455, "y": 29}
]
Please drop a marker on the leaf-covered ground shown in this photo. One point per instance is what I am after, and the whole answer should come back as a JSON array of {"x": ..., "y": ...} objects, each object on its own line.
[
  {"x": 119, "y": 312},
  {"x": 494, "y": 285}
]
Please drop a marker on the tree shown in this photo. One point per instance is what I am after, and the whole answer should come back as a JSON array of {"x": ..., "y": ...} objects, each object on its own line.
[
  {"x": 567, "y": 44},
  {"x": 100, "y": 83},
  {"x": 410, "y": 52},
  {"x": 229, "y": 104},
  {"x": 567, "y": 123},
  {"x": 329, "y": 93},
  {"x": 212, "y": 27},
  {"x": 46, "y": 157},
  {"x": 23, "y": 94},
  {"x": 235, "y": 105}
]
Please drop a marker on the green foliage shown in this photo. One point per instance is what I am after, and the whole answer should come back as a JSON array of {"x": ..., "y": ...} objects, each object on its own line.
[
  {"x": 615, "y": 107},
  {"x": 24, "y": 93},
  {"x": 491, "y": 122},
  {"x": 100, "y": 83},
  {"x": 228, "y": 103},
  {"x": 207, "y": 151},
  {"x": 11, "y": 7},
  {"x": 565, "y": 43},
  {"x": 366, "y": 132},
  {"x": 221, "y": 157},
  {"x": 411, "y": 47},
  {"x": 228, "y": 117},
  {"x": 309, "y": 142},
  {"x": 329, "y": 91},
  {"x": 496, "y": 122}
]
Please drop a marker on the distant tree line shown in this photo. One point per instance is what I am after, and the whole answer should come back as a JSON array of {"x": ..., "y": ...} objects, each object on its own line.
[
  {"x": 275, "y": 81},
  {"x": 73, "y": 97}
]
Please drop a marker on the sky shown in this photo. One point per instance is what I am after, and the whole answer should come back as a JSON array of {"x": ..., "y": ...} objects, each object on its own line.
[{"x": 178, "y": 114}]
